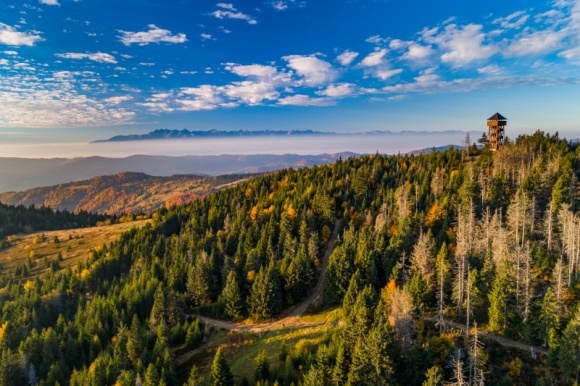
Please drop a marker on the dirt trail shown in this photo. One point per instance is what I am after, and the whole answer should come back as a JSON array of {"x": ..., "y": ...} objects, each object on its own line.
[
  {"x": 497, "y": 338},
  {"x": 292, "y": 318}
]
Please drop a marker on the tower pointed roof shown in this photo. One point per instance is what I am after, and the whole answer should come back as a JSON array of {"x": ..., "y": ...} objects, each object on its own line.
[{"x": 497, "y": 117}]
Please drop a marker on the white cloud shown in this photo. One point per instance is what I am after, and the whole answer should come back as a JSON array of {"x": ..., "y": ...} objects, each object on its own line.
[
  {"x": 313, "y": 70},
  {"x": 377, "y": 39},
  {"x": 417, "y": 52},
  {"x": 397, "y": 44},
  {"x": 492, "y": 69},
  {"x": 11, "y": 37},
  {"x": 386, "y": 74},
  {"x": 154, "y": 35},
  {"x": 229, "y": 6},
  {"x": 279, "y": 5},
  {"x": 60, "y": 99},
  {"x": 535, "y": 43},
  {"x": 305, "y": 100},
  {"x": 347, "y": 57},
  {"x": 514, "y": 21},
  {"x": 252, "y": 70},
  {"x": 10, "y": 53},
  {"x": 118, "y": 99},
  {"x": 573, "y": 55},
  {"x": 49, "y": 2},
  {"x": 427, "y": 76},
  {"x": 228, "y": 11},
  {"x": 373, "y": 59},
  {"x": 206, "y": 36},
  {"x": 339, "y": 90},
  {"x": 462, "y": 45},
  {"x": 146, "y": 64},
  {"x": 99, "y": 57},
  {"x": 251, "y": 93}
]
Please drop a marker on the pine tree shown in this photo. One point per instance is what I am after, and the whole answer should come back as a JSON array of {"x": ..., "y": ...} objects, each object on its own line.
[
  {"x": 500, "y": 299},
  {"x": 433, "y": 377},
  {"x": 194, "y": 377},
  {"x": 198, "y": 283},
  {"x": 548, "y": 315},
  {"x": 340, "y": 371},
  {"x": 151, "y": 376},
  {"x": 232, "y": 297},
  {"x": 221, "y": 374},
  {"x": 569, "y": 350},
  {"x": 262, "y": 372}
]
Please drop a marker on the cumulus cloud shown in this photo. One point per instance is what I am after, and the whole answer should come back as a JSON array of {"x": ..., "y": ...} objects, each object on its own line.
[
  {"x": 279, "y": 5},
  {"x": 49, "y": 2},
  {"x": 314, "y": 71},
  {"x": 305, "y": 100},
  {"x": 118, "y": 99},
  {"x": 339, "y": 90},
  {"x": 99, "y": 57},
  {"x": 535, "y": 43},
  {"x": 153, "y": 35},
  {"x": 347, "y": 57},
  {"x": 252, "y": 70},
  {"x": 417, "y": 52},
  {"x": 228, "y": 11},
  {"x": 373, "y": 59},
  {"x": 11, "y": 37},
  {"x": 386, "y": 74},
  {"x": 462, "y": 45}
]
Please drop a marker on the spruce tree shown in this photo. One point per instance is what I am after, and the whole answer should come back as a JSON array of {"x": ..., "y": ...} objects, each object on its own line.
[
  {"x": 232, "y": 297},
  {"x": 194, "y": 377},
  {"x": 151, "y": 376},
  {"x": 262, "y": 372},
  {"x": 221, "y": 374}
]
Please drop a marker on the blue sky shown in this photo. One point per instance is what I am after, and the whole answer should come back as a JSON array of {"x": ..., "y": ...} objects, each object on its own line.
[{"x": 110, "y": 66}]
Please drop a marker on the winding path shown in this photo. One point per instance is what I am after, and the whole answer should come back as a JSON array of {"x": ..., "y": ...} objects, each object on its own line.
[
  {"x": 497, "y": 338},
  {"x": 292, "y": 318}
]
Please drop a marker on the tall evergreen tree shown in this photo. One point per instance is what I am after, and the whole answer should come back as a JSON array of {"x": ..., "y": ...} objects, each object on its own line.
[
  {"x": 221, "y": 374},
  {"x": 232, "y": 297}
]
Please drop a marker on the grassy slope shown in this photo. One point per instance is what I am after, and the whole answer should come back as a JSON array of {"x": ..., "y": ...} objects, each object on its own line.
[
  {"x": 74, "y": 245},
  {"x": 241, "y": 348}
]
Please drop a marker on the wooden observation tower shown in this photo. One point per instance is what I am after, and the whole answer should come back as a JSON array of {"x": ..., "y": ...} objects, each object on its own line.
[{"x": 496, "y": 125}]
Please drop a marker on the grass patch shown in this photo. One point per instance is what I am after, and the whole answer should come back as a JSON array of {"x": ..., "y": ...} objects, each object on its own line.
[
  {"x": 73, "y": 245},
  {"x": 329, "y": 315},
  {"x": 241, "y": 349}
]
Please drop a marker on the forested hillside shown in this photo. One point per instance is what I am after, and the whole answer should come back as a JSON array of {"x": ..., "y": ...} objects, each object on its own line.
[
  {"x": 122, "y": 193},
  {"x": 461, "y": 236},
  {"x": 21, "y": 219}
]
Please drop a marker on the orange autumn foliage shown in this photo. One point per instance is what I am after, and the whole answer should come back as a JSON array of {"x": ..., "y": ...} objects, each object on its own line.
[
  {"x": 254, "y": 213},
  {"x": 436, "y": 213}
]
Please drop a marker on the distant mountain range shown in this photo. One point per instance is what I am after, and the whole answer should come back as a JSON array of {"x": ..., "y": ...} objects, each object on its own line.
[
  {"x": 18, "y": 174},
  {"x": 125, "y": 192},
  {"x": 187, "y": 134}
]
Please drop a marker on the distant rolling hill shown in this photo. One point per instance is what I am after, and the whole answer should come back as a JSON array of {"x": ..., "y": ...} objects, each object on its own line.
[
  {"x": 125, "y": 192},
  {"x": 25, "y": 173}
]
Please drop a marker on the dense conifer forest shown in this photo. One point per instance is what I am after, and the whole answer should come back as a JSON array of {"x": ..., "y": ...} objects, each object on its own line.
[
  {"x": 21, "y": 219},
  {"x": 432, "y": 252}
]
